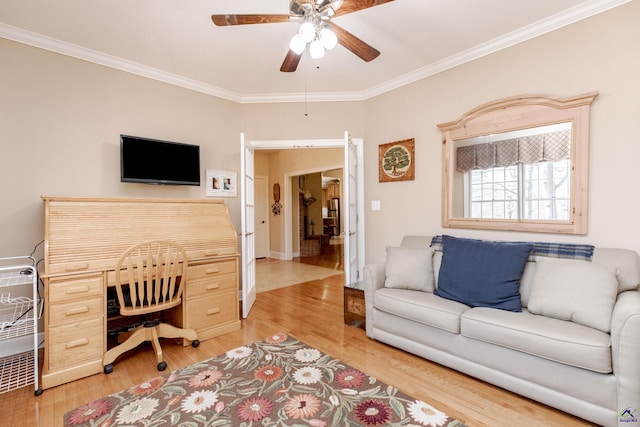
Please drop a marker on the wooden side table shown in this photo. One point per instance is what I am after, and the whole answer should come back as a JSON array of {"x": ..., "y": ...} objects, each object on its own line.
[{"x": 354, "y": 308}]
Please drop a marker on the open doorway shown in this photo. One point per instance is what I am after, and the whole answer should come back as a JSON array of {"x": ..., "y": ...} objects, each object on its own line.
[
  {"x": 316, "y": 232},
  {"x": 352, "y": 229}
]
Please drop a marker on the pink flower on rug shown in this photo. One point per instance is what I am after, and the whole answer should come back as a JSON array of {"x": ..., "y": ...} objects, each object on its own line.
[
  {"x": 137, "y": 410},
  {"x": 198, "y": 401},
  {"x": 426, "y": 414},
  {"x": 277, "y": 338},
  {"x": 205, "y": 378},
  {"x": 268, "y": 373},
  {"x": 317, "y": 423},
  {"x": 147, "y": 386},
  {"x": 350, "y": 378},
  {"x": 302, "y": 406},
  {"x": 254, "y": 409},
  {"x": 89, "y": 411},
  {"x": 373, "y": 412}
]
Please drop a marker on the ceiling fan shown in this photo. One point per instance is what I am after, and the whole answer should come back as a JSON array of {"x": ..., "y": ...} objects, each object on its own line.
[{"x": 317, "y": 29}]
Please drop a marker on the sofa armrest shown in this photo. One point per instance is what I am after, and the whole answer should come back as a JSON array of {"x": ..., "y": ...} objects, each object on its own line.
[
  {"x": 625, "y": 347},
  {"x": 373, "y": 279}
]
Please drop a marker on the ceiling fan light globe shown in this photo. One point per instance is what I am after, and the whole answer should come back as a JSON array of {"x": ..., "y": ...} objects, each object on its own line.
[
  {"x": 297, "y": 44},
  {"x": 316, "y": 50},
  {"x": 307, "y": 31},
  {"x": 328, "y": 38}
]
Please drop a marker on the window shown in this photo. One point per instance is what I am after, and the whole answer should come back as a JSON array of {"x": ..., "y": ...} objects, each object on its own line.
[
  {"x": 518, "y": 163},
  {"x": 537, "y": 192}
]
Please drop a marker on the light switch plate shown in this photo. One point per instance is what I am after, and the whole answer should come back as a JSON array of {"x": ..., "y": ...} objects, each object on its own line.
[{"x": 375, "y": 205}]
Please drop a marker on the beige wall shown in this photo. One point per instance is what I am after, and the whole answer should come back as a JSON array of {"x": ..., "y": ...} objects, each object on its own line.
[
  {"x": 60, "y": 119},
  {"x": 599, "y": 54}
]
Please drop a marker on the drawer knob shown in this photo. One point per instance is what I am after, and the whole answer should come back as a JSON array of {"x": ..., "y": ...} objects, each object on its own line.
[
  {"x": 77, "y": 289},
  {"x": 212, "y": 286},
  {"x": 77, "y": 267},
  {"x": 213, "y": 310},
  {"x": 77, "y": 343},
  {"x": 213, "y": 270},
  {"x": 77, "y": 310}
]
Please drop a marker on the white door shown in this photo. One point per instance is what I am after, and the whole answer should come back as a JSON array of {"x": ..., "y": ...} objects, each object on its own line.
[
  {"x": 351, "y": 204},
  {"x": 261, "y": 216},
  {"x": 248, "y": 226}
]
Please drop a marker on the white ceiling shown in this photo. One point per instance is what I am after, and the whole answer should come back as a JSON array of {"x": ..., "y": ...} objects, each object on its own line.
[{"x": 176, "y": 42}]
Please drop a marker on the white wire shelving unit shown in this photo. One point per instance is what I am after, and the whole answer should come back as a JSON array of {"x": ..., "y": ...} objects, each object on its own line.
[{"x": 20, "y": 309}]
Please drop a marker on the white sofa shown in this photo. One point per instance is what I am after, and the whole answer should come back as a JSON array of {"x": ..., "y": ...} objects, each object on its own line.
[{"x": 578, "y": 361}]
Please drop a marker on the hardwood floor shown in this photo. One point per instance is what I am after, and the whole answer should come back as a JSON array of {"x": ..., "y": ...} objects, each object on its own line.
[
  {"x": 313, "y": 312},
  {"x": 330, "y": 256},
  {"x": 274, "y": 273}
]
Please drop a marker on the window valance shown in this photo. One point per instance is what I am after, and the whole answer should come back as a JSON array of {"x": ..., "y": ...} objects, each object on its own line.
[{"x": 547, "y": 147}]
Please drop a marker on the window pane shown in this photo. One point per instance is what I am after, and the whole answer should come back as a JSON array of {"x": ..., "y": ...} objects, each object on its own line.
[
  {"x": 511, "y": 210},
  {"x": 546, "y": 190},
  {"x": 494, "y": 192}
]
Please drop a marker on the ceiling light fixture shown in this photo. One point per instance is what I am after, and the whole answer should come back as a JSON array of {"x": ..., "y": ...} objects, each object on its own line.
[{"x": 314, "y": 30}]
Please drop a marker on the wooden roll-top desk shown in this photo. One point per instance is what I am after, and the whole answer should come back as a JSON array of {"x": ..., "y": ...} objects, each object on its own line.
[{"x": 84, "y": 238}]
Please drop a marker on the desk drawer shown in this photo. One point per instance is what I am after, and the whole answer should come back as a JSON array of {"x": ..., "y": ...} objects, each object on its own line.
[
  {"x": 77, "y": 311},
  {"x": 75, "y": 343},
  {"x": 212, "y": 311},
  {"x": 198, "y": 288},
  {"x": 212, "y": 269},
  {"x": 82, "y": 287}
]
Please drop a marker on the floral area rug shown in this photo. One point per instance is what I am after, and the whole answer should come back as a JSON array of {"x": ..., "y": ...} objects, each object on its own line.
[{"x": 279, "y": 381}]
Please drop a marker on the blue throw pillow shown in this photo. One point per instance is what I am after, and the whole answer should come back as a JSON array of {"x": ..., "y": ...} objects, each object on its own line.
[{"x": 482, "y": 273}]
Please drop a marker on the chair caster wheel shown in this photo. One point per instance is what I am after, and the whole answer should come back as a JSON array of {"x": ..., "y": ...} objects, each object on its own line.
[
  {"x": 162, "y": 366},
  {"x": 38, "y": 392},
  {"x": 195, "y": 343},
  {"x": 108, "y": 368}
]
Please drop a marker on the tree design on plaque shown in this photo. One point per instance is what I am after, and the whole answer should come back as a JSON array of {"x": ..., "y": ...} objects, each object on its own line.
[{"x": 396, "y": 161}]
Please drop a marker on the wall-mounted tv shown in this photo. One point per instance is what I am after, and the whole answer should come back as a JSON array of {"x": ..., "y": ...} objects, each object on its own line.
[{"x": 152, "y": 161}]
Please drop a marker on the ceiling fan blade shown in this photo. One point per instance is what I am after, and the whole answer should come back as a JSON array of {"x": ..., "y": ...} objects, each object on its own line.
[
  {"x": 291, "y": 61},
  {"x": 350, "y": 6},
  {"x": 224, "y": 20},
  {"x": 358, "y": 47}
]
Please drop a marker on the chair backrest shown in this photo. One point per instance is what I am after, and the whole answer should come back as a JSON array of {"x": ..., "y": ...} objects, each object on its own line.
[{"x": 150, "y": 277}]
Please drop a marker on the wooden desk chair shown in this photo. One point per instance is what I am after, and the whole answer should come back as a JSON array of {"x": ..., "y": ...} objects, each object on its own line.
[{"x": 150, "y": 278}]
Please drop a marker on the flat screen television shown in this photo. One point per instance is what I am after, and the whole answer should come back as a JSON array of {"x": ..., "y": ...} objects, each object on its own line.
[{"x": 152, "y": 161}]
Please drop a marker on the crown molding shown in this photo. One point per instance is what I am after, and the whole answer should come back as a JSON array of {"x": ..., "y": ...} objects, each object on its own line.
[
  {"x": 69, "y": 49},
  {"x": 529, "y": 32},
  {"x": 539, "y": 28}
]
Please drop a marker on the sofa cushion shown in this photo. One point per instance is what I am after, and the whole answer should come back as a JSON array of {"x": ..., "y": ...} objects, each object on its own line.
[
  {"x": 558, "y": 340},
  {"x": 421, "y": 307},
  {"x": 409, "y": 268},
  {"x": 579, "y": 291},
  {"x": 626, "y": 262},
  {"x": 526, "y": 282},
  {"x": 482, "y": 273}
]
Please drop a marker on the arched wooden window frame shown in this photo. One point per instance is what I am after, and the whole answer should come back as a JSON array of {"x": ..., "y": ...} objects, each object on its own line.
[{"x": 513, "y": 114}]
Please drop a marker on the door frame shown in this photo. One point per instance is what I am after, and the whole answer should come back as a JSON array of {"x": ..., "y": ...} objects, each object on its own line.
[{"x": 266, "y": 213}]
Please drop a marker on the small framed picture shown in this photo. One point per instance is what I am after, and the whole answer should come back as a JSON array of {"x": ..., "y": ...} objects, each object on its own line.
[
  {"x": 396, "y": 161},
  {"x": 221, "y": 183}
]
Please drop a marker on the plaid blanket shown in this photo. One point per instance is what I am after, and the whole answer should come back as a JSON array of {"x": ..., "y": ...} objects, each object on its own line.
[{"x": 548, "y": 249}]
